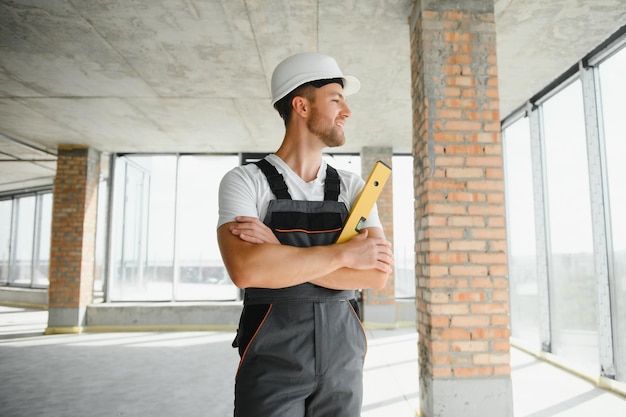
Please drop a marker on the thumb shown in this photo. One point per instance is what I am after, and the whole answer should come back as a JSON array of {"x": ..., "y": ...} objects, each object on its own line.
[{"x": 363, "y": 234}]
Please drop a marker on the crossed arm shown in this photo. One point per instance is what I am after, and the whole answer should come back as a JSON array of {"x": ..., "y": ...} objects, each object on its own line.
[{"x": 254, "y": 258}]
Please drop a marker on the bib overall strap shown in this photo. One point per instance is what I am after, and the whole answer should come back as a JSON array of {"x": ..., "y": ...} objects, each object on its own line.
[
  {"x": 276, "y": 180},
  {"x": 332, "y": 185}
]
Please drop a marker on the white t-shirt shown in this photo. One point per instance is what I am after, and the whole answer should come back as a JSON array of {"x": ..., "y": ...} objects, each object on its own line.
[{"x": 244, "y": 191}]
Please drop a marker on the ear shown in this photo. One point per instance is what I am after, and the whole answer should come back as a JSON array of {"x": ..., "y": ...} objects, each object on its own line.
[{"x": 300, "y": 106}]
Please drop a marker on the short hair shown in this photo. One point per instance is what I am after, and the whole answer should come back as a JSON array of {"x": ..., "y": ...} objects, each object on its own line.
[{"x": 283, "y": 106}]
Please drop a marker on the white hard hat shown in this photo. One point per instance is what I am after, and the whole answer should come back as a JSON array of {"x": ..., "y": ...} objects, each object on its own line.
[{"x": 304, "y": 67}]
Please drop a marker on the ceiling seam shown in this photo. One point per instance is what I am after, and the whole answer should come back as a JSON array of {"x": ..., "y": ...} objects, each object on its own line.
[
  {"x": 26, "y": 145},
  {"x": 122, "y": 57},
  {"x": 317, "y": 35},
  {"x": 258, "y": 49}
]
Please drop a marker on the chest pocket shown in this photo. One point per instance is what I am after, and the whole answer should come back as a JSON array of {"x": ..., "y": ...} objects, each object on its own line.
[
  {"x": 304, "y": 223},
  {"x": 306, "y": 229}
]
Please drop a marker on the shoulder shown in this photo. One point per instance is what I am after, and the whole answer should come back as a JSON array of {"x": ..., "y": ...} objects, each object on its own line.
[
  {"x": 350, "y": 179},
  {"x": 240, "y": 191},
  {"x": 241, "y": 182},
  {"x": 242, "y": 174}
]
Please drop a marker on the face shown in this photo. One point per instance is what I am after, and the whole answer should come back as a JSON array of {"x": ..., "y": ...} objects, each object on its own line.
[{"x": 329, "y": 112}]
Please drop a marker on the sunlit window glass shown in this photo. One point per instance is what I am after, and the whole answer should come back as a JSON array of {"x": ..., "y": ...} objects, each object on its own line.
[
  {"x": 573, "y": 287},
  {"x": 21, "y": 273},
  {"x": 403, "y": 226},
  {"x": 6, "y": 207},
  {"x": 143, "y": 241},
  {"x": 521, "y": 233},
  {"x": 201, "y": 272},
  {"x": 101, "y": 239},
  {"x": 613, "y": 91},
  {"x": 42, "y": 245},
  {"x": 164, "y": 243}
]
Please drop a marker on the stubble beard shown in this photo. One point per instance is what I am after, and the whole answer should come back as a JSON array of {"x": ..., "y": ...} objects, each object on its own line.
[{"x": 332, "y": 136}]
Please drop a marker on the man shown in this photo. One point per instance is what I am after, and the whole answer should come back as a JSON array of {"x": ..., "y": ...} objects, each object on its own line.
[{"x": 301, "y": 343}]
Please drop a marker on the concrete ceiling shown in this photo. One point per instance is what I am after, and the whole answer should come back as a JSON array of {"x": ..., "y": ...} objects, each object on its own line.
[{"x": 194, "y": 75}]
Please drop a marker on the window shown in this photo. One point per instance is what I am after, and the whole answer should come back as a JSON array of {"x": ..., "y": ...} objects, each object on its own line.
[
  {"x": 41, "y": 254},
  {"x": 25, "y": 224},
  {"x": 201, "y": 273},
  {"x": 164, "y": 245},
  {"x": 613, "y": 91},
  {"x": 21, "y": 271},
  {"x": 520, "y": 216},
  {"x": 573, "y": 286},
  {"x": 6, "y": 208},
  {"x": 403, "y": 226}
]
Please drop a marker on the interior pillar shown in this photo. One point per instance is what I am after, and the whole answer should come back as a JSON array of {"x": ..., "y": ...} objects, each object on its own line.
[
  {"x": 72, "y": 251},
  {"x": 461, "y": 263}
]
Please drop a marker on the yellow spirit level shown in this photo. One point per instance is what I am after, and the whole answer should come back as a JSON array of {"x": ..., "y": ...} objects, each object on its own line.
[{"x": 365, "y": 201}]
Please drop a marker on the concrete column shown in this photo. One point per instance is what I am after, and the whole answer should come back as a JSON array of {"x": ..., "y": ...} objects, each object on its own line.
[
  {"x": 461, "y": 263},
  {"x": 72, "y": 252},
  {"x": 379, "y": 306}
]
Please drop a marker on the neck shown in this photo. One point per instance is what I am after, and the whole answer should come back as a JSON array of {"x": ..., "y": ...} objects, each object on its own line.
[{"x": 305, "y": 164}]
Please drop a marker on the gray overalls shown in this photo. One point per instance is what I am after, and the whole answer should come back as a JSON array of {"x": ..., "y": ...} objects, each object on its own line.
[{"x": 302, "y": 347}]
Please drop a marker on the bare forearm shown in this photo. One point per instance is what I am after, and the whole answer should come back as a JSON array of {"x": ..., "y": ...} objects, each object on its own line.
[
  {"x": 353, "y": 279},
  {"x": 254, "y": 258},
  {"x": 280, "y": 266}
]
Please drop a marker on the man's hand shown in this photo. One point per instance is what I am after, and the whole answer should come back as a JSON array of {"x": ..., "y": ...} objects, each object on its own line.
[
  {"x": 252, "y": 230},
  {"x": 254, "y": 257},
  {"x": 363, "y": 252}
]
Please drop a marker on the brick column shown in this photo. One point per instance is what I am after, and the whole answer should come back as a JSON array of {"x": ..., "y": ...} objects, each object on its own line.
[
  {"x": 379, "y": 306},
  {"x": 461, "y": 262},
  {"x": 72, "y": 251}
]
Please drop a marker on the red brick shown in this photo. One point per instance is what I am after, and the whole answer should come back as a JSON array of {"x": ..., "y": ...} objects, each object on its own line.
[{"x": 471, "y": 321}]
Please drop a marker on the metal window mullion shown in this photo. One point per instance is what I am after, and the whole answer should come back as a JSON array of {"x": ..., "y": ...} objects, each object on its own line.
[
  {"x": 109, "y": 247},
  {"x": 599, "y": 225},
  {"x": 121, "y": 277},
  {"x": 541, "y": 228},
  {"x": 175, "y": 257},
  {"x": 146, "y": 183},
  {"x": 13, "y": 239},
  {"x": 36, "y": 238}
]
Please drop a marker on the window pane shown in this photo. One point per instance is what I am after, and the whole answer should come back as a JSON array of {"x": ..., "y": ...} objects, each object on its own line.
[
  {"x": 21, "y": 273},
  {"x": 101, "y": 223},
  {"x": 159, "y": 264},
  {"x": 573, "y": 287},
  {"x": 403, "y": 226},
  {"x": 144, "y": 229},
  {"x": 42, "y": 260},
  {"x": 613, "y": 92},
  {"x": 5, "y": 239},
  {"x": 202, "y": 275},
  {"x": 521, "y": 233}
]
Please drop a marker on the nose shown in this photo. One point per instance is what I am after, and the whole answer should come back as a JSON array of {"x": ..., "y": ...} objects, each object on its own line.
[{"x": 345, "y": 111}]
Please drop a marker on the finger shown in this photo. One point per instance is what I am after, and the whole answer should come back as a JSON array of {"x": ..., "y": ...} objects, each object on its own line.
[
  {"x": 249, "y": 239},
  {"x": 246, "y": 219},
  {"x": 383, "y": 267}
]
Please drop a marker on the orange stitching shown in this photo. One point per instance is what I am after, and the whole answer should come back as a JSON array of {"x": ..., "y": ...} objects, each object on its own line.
[
  {"x": 252, "y": 339},
  {"x": 360, "y": 324},
  {"x": 306, "y": 231}
]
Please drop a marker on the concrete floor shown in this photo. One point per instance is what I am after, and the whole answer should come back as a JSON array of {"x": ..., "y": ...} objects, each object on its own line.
[{"x": 191, "y": 374}]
